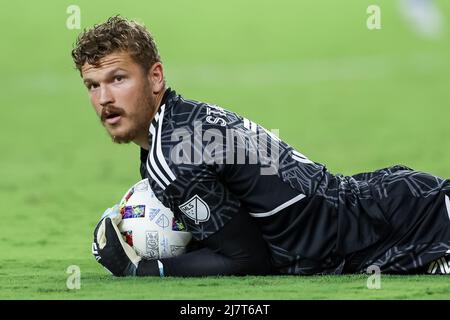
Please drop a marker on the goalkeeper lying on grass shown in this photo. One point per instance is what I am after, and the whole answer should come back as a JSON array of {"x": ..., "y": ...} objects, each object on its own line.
[{"x": 253, "y": 204}]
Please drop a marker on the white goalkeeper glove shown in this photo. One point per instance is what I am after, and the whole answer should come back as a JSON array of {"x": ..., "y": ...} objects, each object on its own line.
[{"x": 109, "y": 247}]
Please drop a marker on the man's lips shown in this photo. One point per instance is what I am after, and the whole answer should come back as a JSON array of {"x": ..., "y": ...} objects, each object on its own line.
[
  {"x": 113, "y": 120},
  {"x": 111, "y": 115}
]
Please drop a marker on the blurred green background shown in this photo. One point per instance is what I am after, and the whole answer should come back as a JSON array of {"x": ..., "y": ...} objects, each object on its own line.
[{"x": 351, "y": 98}]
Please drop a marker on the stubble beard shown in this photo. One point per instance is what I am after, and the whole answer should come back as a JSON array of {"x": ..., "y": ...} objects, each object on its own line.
[{"x": 140, "y": 121}]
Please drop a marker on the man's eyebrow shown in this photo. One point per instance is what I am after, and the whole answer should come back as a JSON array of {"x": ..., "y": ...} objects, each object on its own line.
[{"x": 108, "y": 75}]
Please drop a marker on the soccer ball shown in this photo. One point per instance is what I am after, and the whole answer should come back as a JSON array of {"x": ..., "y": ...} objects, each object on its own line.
[{"x": 150, "y": 227}]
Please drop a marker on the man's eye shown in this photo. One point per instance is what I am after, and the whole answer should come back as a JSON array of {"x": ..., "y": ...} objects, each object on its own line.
[
  {"x": 118, "y": 78},
  {"x": 92, "y": 86}
]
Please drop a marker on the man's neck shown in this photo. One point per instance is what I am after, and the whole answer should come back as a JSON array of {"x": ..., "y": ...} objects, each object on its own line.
[{"x": 142, "y": 140}]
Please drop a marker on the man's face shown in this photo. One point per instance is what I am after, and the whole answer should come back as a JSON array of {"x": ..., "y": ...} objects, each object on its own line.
[{"x": 121, "y": 94}]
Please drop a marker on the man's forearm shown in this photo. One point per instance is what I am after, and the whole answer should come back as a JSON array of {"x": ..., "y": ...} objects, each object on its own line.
[
  {"x": 203, "y": 262},
  {"x": 236, "y": 249}
]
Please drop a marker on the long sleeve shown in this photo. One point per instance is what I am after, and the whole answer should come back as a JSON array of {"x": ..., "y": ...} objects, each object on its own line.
[{"x": 236, "y": 249}]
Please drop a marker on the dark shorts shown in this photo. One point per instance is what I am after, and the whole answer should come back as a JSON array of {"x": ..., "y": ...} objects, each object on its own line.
[{"x": 410, "y": 227}]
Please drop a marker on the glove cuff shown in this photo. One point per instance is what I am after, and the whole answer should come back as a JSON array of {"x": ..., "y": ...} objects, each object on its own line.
[
  {"x": 130, "y": 270},
  {"x": 148, "y": 268}
]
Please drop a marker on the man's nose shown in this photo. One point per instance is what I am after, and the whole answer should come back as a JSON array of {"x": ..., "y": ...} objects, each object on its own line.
[{"x": 105, "y": 96}]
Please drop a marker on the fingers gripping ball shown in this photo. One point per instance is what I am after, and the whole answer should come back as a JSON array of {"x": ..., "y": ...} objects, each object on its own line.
[{"x": 111, "y": 250}]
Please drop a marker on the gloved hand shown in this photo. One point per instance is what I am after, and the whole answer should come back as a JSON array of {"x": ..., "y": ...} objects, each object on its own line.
[{"x": 110, "y": 249}]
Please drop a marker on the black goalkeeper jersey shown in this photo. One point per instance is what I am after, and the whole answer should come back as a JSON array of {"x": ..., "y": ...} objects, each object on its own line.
[{"x": 208, "y": 165}]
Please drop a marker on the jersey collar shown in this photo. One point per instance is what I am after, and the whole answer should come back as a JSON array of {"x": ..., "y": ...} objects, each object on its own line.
[{"x": 166, "y": 102}]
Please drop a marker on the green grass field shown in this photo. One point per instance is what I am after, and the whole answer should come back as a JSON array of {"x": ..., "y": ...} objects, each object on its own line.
[{"x": 351, "y": 98}]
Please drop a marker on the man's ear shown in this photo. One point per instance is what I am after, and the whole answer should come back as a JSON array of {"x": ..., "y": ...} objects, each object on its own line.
[{"x": 155, "y": 76}]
